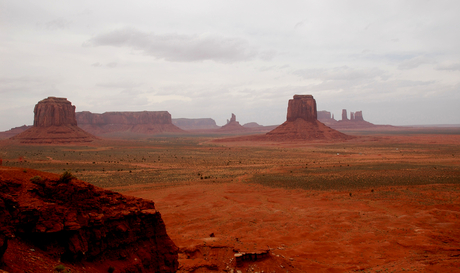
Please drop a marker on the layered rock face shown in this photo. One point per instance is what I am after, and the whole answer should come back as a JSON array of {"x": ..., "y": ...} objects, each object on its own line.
[
  {"x": 302, "y": 123},
  {"x": 75, "y": 221},
  {"x": 125, "y": 118},
  {"x": 54, "y": 111},
  {"x": 195, "y": 124},
  {"x": 54, "y": 122},
  {"x": 302, "y": 106},
  {"x": 145, "y": 122}
]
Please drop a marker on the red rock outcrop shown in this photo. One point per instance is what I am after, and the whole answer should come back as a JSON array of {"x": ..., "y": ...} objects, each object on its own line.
[
  {"x": 233, "y": 125},
  {"x": 54, "y": 122},
  {"x": 77, "y": 222},
  {"x": 344, "y": 114},
  {"x": 54, "y": 111},
  {"x": 302, "y": 106},
  {"x": 145, "y": 122},
  {"x": 324, "y": 115},
  {"x": 302, "y": 123},
  {"x": 359, "y": 116}
]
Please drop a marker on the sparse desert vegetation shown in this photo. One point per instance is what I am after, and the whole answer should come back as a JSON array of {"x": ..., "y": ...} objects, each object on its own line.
[{"x": 375, "y": 204}]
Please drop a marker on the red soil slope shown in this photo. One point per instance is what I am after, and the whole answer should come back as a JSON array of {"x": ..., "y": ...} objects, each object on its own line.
[
  {"x": 301, "y": 129},
  {"x": 54, "y": 135}
]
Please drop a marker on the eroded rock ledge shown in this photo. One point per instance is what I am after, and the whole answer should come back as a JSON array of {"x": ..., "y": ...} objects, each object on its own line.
[{"x": 78, "y": 222}]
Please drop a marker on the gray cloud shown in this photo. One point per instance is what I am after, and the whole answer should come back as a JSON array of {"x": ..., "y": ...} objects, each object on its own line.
[
  {"x": 343, "y": 73},
  {"x": 123, "y": 85},
  {"x": 448, "y": 66},
  {"x": 182, "y": 48},
  {"x": 414, "y": 62},
  {"x": 112, "y": 64},
  {"x": 109, "y": 65},
  {"x": 59, "y": 23}
]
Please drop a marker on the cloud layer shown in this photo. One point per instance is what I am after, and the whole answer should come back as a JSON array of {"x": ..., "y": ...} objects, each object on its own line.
[
  {"x": 181, "y": 48},
  {"x": 398, "y": 61}
]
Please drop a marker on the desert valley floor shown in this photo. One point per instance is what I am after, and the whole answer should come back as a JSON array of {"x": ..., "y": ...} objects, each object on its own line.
[{"x": 382, "y": 202}]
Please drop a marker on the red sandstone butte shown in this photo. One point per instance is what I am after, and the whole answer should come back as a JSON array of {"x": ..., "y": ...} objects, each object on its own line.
[
  {"x": 54, "y": 123},
  {"x": 78, "y": 223},
  {"x": 302, "y": 123},
  {"x": 143, "y": 122}
]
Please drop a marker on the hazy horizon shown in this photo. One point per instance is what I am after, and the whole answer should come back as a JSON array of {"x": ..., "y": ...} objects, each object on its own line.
[{"x": 397, "y": 61}]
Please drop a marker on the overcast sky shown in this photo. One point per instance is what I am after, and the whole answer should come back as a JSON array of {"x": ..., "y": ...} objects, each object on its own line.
[{"x": 397, "y": 61}]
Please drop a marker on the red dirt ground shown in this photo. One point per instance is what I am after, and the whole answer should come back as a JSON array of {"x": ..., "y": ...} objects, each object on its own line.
[
  {"x": 389, "y": 229},
  {"x": 411, "y": 229}
]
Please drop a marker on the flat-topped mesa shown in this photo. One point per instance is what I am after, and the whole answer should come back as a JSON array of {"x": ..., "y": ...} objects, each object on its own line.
[
  {"x": 141, "y": 122},
  {"x": 54, "y": 111},
  {"x": 126, "y": 118},
  {"x": 302, "y": 106}
]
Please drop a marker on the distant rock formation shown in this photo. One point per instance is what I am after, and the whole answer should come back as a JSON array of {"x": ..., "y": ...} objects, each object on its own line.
[
  {"x": 75, "y": 221},
  {"x": 359, "y": 116},
  {"x": 233, "y": 125},
  {"x": 145, "y": 122},
  {"x": 356, "y": 120},
  {"x": 324, "y": 115},
  {"x": 14, "y": 131},
  {"x": 252, "y": 125},
  {"x": 195, "y": 124},
  {"x": 302, "y": 123},
  {"x": 344, "y": 114},
  {"x": 54, "y": 122}
]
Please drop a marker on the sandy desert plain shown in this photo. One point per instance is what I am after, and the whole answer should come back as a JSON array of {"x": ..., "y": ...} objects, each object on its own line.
[{"x": 387, "y": 201}]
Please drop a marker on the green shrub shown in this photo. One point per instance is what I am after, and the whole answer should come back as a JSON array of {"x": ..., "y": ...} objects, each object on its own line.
[
  {"x": 66, "y": 177},
  {"x": 36, "y": 179},
  {"x": 59, "y": 268}
]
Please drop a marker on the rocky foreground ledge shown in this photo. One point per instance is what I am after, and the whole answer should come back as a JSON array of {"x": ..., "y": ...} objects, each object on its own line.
[{"x": 76, "y": 222}]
